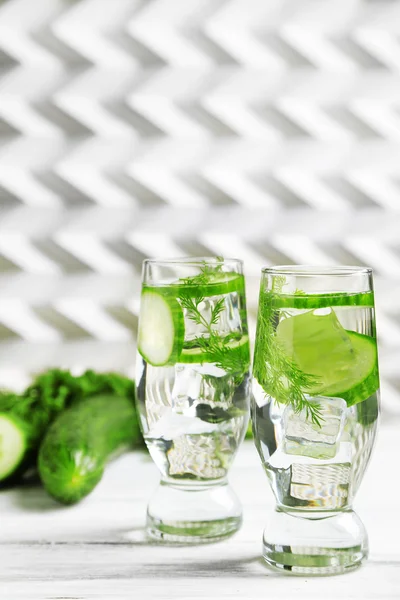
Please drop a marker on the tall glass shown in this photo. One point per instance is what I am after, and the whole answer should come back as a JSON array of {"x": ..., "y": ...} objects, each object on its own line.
[
  {"x": 315, "y": 412},
  {"x": 193, "y": 392}
]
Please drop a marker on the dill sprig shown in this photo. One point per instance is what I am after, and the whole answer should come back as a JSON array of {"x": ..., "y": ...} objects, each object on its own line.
[
  {"x": 278, "y": 375},
  {"x": 216, "y": 347}
]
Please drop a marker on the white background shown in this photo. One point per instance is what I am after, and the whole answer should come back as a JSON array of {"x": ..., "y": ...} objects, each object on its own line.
[{"x": 134, "y": 128}]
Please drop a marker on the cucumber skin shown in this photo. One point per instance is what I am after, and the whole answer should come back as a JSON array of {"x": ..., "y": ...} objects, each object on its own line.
[
  {"x": 80, "y": 442},
  {"x": 8, "y": 404},
  {"x": 364, "y": 389},
  {"x": 25, "y": 432},
  {"x": 48, "y": 395}
]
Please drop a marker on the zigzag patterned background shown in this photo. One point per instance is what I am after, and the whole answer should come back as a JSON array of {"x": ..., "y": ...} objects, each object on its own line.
[{"x": 268, "y": 130}]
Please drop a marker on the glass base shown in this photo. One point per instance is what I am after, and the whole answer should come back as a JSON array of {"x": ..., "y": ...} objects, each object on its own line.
[
  {"x": 193, "y": 514},
  {"x": 315, "y": 544}
]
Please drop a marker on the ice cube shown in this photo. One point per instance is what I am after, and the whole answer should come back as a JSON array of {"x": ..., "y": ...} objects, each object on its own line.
[
  {"x": 324, "y": 485},
  {"x": 210, "y": 369},
  {"x": 303, "y": 437},
  {"x": 172, "y": 425},
  {"x": 198, "y": 455},
  {"x": 303, "y": 481},
  {"x": 199, "y": 384},
  {"x": 186, "y": 388}
]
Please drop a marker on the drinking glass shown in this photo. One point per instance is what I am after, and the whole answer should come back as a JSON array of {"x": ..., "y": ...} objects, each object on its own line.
[
  {"x": 315, "y": 412},
  {"x": 193, "y": 392}
]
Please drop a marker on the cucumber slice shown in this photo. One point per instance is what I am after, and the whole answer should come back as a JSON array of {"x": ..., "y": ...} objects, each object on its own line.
[
  {"x": 322, "y": 300},
  {"x": 344, "y": 363},
  {"x": 362, "y": 378},
  {"x": 238, "y": 348},
  {"x": 217, "y": 284},
  {"x": 161, "y": 328},
  {"x": 13, "y": 444}
]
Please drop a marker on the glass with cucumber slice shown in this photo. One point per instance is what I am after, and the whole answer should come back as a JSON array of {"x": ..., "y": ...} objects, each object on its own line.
[
  {"x": 315, "y": 409},
  {"x": 192, "y": 380}
]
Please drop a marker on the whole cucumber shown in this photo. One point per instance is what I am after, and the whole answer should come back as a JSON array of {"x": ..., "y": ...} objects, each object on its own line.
[
  {"x": 79, "y": 443},
  {"x": 25, "y": 417}
]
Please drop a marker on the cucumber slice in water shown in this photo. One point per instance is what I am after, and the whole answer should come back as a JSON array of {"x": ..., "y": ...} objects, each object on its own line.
[
  {"x": 13, "y": 444},
  {"x": 344, "y": 363},
  {"x": 238, "y": 349},
  {"x": 362, "y": 377},
  {"x": 217, "y": 284},
  {"x": 161, "y": 328},
  {"x": 327, "y": 300}
]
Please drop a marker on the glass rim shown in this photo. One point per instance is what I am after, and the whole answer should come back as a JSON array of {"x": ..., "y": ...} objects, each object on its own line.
[
  {"x": 317, "y": 270},
  {"x": 193, "y": 261}
]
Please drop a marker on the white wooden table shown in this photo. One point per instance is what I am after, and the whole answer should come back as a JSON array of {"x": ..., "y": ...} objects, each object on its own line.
[{"x": 97, "y": 549}]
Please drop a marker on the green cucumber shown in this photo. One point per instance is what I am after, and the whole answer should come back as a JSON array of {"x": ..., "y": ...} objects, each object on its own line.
[
  {"x": 344, "y": 363},
  {"x": 362, "y": 377},
  {"x": 79, "y": 443},
  {"x": 217, "y": 284},
  {"x": 14, "y": 444},
  {"x": 161, "y": 327},
  {"x": 238, "y": 349},
  {"x": 32, "y": 412},
  {"x": 327, "y": 300},
  {"x": 18, "y": 434}
]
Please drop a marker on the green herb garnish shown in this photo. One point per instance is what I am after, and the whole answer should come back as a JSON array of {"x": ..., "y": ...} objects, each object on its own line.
[
  {"x": 278, "y": 375},
  {"x": 216, "y": 347}
]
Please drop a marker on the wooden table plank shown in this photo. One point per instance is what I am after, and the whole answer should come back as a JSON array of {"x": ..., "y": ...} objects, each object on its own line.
[{"x": 98, "y": 549}]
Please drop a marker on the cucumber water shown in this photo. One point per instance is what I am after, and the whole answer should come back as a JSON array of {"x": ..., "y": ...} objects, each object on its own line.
[
  {"x": 193, "y": 373},
  {"x": 315, "y": 389}
]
